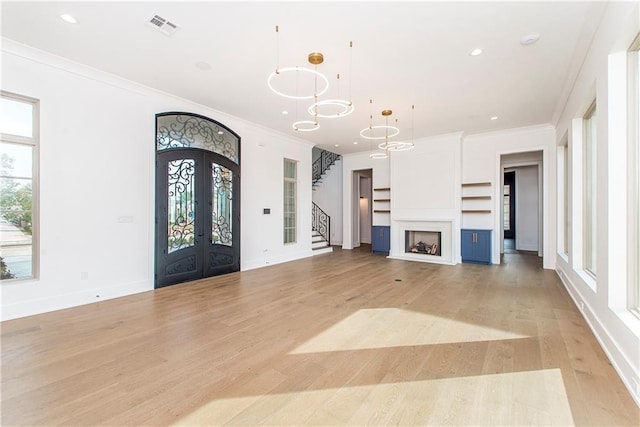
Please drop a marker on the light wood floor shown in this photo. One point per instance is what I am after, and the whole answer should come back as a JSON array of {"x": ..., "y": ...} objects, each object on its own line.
[{"x": 347, "y": 338}]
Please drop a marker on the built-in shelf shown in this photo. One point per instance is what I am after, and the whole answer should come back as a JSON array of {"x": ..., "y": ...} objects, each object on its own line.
[
  {"x": 476, "y": 198},
  {"x": 476, "y": 184},
  {"x": 383, "y": 202}
]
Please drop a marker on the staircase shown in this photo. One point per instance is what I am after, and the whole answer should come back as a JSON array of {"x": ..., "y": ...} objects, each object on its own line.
[
  {"x": 318, "y": 244},
  {"x": 320, "y": 221},
  {"x": 321, "y": 165},
  {"x": 320, "y": 230}
]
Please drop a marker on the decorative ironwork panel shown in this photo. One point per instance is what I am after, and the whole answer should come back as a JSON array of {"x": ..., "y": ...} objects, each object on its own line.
[
  {"x": 187, "y": 131},
  {"x": 322, "y": 164},
  {"x": 221, "y": 205},
  {"x": 183, "y": 266},
  {"x": 181, "y": 204},
  {"x": 320, "y": 222},
  {"x": 220, "y": 260}
]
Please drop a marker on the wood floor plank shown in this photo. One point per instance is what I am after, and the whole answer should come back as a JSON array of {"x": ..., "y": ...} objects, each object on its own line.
[{"x": 347, "y": 338}]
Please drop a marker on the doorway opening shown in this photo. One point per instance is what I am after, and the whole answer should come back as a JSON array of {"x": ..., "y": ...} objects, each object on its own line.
[
  {"x": 197, "y": 199},
  {"x": 509, "y": 210},
  {"x": 362, "y": 207},
  {"x": 522, "y": 209}
]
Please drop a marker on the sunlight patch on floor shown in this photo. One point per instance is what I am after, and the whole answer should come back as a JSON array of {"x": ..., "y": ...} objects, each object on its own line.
[
  {"x": 520, "y": 398},
  {"x": 394, "y": 327}
]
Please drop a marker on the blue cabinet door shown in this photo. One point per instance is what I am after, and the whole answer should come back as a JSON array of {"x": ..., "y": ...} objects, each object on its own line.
[
  {"x": 467, "y": 242},
  {"x": 476, "y": 246},
  {"x": 483, "y": 246},
  {"x": 380, "y": 239}
]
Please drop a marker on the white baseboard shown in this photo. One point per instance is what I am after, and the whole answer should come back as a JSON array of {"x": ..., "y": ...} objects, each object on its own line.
[
  {"x": 619, "y": 361},
  {"x": 68, "y": 300},
  {"x": 265, "y": 262}
]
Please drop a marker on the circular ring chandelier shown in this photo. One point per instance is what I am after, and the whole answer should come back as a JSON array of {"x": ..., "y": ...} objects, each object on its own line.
[
  {"x": 346, "y": 108},
  {"x": 378, "y": 155},
  {"x": 306, "y": 126},
  {"x": 396, "y": 146},
  {"x": 386, "y": 127},
  {"x": 305, "y": 70}
]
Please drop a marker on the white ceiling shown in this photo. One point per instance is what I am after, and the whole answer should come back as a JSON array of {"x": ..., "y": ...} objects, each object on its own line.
[{"x": 403, "y": 53}]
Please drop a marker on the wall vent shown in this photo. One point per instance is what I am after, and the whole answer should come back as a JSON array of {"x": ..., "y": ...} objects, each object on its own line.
[{"x": 161, "y": 24}]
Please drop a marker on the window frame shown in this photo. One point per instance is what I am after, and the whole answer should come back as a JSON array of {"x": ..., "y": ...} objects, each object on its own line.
[
  {"x": 633, "y": 169},
  {"x": 34, "y": 143},
  {"x": 589, "y": 191},
  {"x": 563, "y": 200},
  {"x": 566, "y": 218},
  {"x": 285, "y": 212}
]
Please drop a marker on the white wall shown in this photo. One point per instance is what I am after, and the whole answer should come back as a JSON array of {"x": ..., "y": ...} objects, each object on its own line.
[
  {"x": 328, "y": 195},
  {"x": 481, "y": 162},
  {"x": 97, "y": 164},
  {"x": 426, "y": 180},
  {"x": 603, "y": 301},
  {"x": 263, "y": 152}
]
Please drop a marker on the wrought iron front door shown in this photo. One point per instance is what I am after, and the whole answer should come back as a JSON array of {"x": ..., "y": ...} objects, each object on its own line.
[{"x": 197, "y": 213}]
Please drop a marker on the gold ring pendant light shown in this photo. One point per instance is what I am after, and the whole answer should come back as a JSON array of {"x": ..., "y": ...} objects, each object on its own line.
[
  {"x": 319, "y": 109},
  {"x": 387, "y": 145}
]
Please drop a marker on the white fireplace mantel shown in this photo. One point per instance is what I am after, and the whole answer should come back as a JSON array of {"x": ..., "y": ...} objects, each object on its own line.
[{"x": 444, "y": 225}]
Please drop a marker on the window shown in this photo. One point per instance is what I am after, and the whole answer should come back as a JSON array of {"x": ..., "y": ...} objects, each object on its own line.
[
  {"x": 589, "y": 198},
  {"x": 18, "y": 186},
  {"x": 290, "y": 202},
  {"x": 637, "y": 175},
  {"x": 564, "y": 200},
  {"x": 565, "y": 208},
  {"x": 506, "y": 207},
  {"x": 634, "y": 178}
]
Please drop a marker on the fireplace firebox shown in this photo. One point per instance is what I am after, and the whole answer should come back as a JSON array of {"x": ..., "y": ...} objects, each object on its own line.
[{"x": 423, "y": 242}]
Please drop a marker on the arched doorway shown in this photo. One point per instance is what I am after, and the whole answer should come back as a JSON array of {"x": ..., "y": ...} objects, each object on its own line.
[{"x": 197, "y": 198}]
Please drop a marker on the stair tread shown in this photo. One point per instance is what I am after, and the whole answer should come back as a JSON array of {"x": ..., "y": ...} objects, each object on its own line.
[{"x": 321, "y": 251}]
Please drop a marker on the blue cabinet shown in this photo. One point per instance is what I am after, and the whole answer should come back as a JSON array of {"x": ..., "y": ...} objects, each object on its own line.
[
  {"x": 476, "y": 246},
  {"x": 380, "y": 239}
]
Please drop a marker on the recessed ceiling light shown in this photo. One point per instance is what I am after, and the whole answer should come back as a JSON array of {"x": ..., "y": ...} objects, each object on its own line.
[
  {"x": 68, "y": 18},
  {"x": 285, "y": 112},
  {"x": 204, "y": 66},
  {"x": 475, "y": 52},
  {"x": 493, "y": 118},
  {"x": 337, "y": 145},
  {"x": 529, "y": 38},
  {"x": 355, "y": 142}
]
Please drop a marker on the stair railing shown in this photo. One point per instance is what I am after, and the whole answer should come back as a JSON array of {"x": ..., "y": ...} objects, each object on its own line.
[
  {"x": 320, "y": 222},
  {"x": 322, "y": 163}
]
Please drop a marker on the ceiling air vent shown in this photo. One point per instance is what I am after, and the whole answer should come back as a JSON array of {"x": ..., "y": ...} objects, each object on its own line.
[{"x": 165, "y": 27}]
